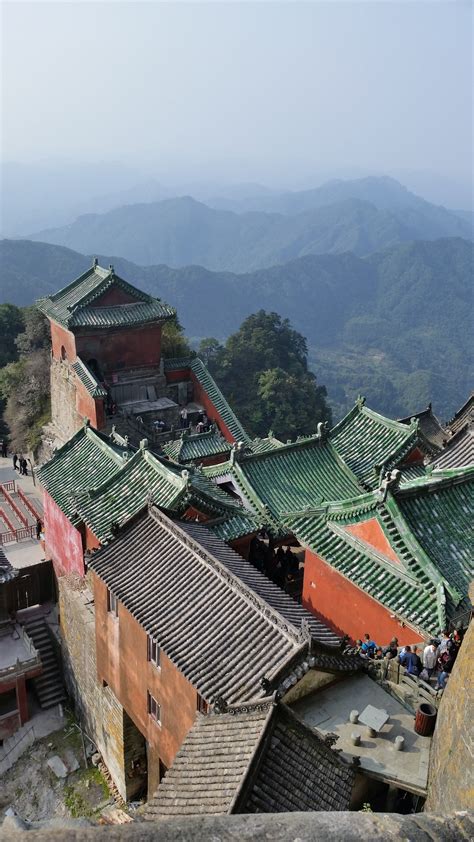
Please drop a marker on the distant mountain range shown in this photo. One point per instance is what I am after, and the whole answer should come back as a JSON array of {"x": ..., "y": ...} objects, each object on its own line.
[
  {"x": 396, "y": 325},
  {"x": 361, "y": 216}
]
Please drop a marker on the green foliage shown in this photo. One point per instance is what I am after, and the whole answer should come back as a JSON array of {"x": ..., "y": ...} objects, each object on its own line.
[
  {"x": 24, "y": 385},
  {"x": 379, "y": 325},
  {"x": 173, "y": 342},
  {"x": 263, "y": 371},
  {"x": 11, "y": 324}
]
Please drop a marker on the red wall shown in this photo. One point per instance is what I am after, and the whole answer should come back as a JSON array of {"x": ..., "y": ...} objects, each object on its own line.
[
  {"x": 372, "y": 533},
  {"x": 346, "y": 608},
  {"x": 62, "y": 337},
  {"x": 127, "y": 348},
  {"x": 178, "y": 376},
  {"x": 63, "y": 541},
  {"x": 89, "y": 407},
  {"x": 122, "y": 662},
  {"x": 114, "y": 295},
  {"x": 201, "y": 396}
]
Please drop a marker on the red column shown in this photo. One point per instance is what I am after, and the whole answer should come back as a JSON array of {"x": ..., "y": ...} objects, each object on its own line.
[{"x": 22, "y": 699}]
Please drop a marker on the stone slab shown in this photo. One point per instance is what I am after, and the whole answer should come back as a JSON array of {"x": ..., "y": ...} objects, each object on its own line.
[
  {"x": 57, "y": 766},
  {"x": 373, "y": 717}
]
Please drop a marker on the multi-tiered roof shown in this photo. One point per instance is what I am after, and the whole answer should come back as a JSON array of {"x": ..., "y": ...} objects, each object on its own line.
[{"x": 78, "y": 305}]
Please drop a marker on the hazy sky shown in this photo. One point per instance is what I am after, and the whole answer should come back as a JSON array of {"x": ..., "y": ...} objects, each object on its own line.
[{"x": 248, "y": 90}]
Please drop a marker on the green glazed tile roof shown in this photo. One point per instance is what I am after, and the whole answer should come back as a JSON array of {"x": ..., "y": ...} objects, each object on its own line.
[
  {"x": 215, "y": 395},
  {"x": 295, "y": 475},
  {"x": 141, "y": 478},
  {"x": 177, "y": 363},
  {"x": 365, "y": 439},
  {"x": 199, "y": 446},
  {"x": 396, "y": 589},
  {"x": 87, "y": 459},
  {"x": 262, "y": 445},
  {"x": 428, "y": 525},
  {"x": 233, "y": 527},
  {"x": 441, "y": 516},
  {"x": 76, "y": 305},
  {"x": 88, "y": 378}
]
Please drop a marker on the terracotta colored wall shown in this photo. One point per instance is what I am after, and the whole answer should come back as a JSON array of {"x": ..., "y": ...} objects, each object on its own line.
[
  {"x": 346, "y": 608},
  {"x": 178, "y": 376},
  {"x": 200, "y": 396},
  {"x": 89, "y": 539},
  {"x": 122, "y": 663},
  {"x": 115, "y": 350},
  {"x": 415, "y": 457},
  {"x": 89, "y": 407},
  {"x": 242, "y": 545},
  {"x": 60, "y": 336},
  {"x": 63, "y": 541},
  {"x": 114, "y": 295},
  {"x": 372, "y": 533}
]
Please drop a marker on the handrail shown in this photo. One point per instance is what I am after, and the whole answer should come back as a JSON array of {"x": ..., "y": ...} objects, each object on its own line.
[
  {"x": 14, "y": 506},
  {"x": 7, "y": 520},
  {"x": 29, "y": 505},
  {"x": 15, "y": 534},
  {"x": 9, "y": 485},
  {"x": 20, "y": 667}
]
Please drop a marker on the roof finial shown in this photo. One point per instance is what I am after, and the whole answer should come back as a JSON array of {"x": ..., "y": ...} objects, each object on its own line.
[
  {"x": 111, "y": 268},
  {"x": 144, "y": 444},
  {"x": 360, "y": 401},
  {"x": 95, "y": 262}
]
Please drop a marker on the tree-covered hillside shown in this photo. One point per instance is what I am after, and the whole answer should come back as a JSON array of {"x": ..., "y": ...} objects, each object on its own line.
[
  {"x": 395, "y": 325},
  {"x": 183, "y": 231}
]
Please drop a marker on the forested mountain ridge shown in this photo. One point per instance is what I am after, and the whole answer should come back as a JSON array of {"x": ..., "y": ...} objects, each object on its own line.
[
  {"x": 182, "y": 231},
  {"x": 396, "y": 325}
]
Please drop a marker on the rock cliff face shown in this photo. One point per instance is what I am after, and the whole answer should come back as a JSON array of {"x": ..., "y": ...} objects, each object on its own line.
[{"x": 451, "y": 781}]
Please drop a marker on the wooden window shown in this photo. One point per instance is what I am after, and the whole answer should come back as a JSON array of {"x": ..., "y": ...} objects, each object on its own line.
[
  {"x": 201, "y": 704},
  {"x": 153, "y": 652},
  {"x": 112, "y": 603},
  {"x": 154, "y": 708}
]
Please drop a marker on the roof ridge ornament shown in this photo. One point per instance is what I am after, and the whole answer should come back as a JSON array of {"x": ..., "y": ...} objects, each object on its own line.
[
  {"x": 322, "y": 430},
  {"x": 360, "y": 401},
  {"x": 390, "y": 482},
  {"x": 111, "y": 269},
  {"x": 144, "y": 444},
  {"x": 95, "y": 262}
]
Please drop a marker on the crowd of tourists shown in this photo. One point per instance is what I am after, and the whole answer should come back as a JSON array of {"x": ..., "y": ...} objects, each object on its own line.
[
  {"x": 281, "y": 565},
  {"x": 434, "y": 660}
]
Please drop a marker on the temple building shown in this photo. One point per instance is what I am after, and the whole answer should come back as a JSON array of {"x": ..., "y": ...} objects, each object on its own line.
[{"x": 176, "y": 625}]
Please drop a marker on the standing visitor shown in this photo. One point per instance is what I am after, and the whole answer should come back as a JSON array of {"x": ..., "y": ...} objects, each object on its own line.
[
  {"x": 39, "y": 529},
  {"x": 429, "y": 659},
  {"x": 4, "y": 448},
  {"x": 15, "y": 462},
  {"x": 184, "y": 418}
]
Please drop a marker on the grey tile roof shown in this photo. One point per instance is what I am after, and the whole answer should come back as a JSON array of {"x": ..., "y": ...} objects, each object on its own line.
[
  {"x": 261, "y": 585},
  {"x": 75, "y": 304},
  {"x": 459, "y": 451},
  {"x": 210, "y": 765},
  {"x": 464, "y": 415},
  {"x": 429, "y": 425},
  {"x": 298, "y": 771},
  {"x": 259, "y": 759},
  {"x": 219, "y": 633},
  {"x": 7, "y": 572}
]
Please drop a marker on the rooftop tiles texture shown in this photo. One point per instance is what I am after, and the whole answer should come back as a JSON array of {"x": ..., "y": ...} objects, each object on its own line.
[
  {"x": 75, "y": 304},
  {"x": 212, "y": 390},
  {"x": 366, "y": 440},
  {"x": 198, "y": 446},
  {"x": 166, "y": 579},
  {"x": 88, "y": 379},
  {"x": 145, "y": 477},
  {"x": 261, "y": 759},
  {"x": 86, "y": 460},
  {"x": 459, "y": 451}
]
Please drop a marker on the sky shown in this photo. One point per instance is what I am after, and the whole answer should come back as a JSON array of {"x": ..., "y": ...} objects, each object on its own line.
[{"x": 268, "y": 92}]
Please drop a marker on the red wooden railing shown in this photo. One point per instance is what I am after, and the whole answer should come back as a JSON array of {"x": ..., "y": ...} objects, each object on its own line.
[
  {"x": 15, "y": 534},
  {"x": 10, "y": 485},
  {"x": 29, "y": 505},
  {"x": 7, "y": 521},
  {"x": 21, "y": 517}
]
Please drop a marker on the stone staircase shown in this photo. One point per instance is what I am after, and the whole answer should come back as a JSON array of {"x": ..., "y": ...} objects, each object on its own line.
[{"x": 49, "y": 685}]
